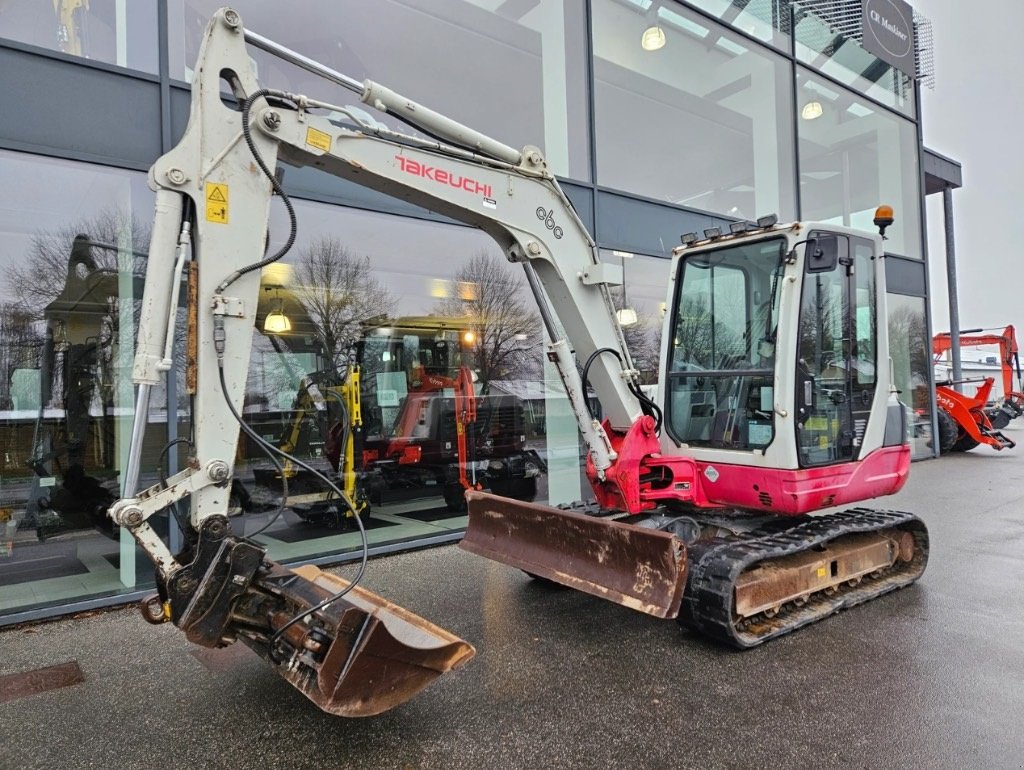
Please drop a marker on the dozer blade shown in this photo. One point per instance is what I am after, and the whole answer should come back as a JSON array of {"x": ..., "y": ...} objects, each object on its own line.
[
  {"x": 359, "y": 656},
  {"x": 643, "y": 569}
]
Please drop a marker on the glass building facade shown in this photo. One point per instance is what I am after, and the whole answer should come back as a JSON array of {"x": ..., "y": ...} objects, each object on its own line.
[{"x": 726, "y": 110}]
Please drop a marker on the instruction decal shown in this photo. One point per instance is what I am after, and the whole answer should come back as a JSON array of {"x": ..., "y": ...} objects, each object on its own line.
[
  {"x": 318, "y": 139},
  {"x": 217, "y": 203}
]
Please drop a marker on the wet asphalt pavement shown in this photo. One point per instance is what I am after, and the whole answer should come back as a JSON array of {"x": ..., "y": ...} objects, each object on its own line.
[{"x": 930, "y": 676}]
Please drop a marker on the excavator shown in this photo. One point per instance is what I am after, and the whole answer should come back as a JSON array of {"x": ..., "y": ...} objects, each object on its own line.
[
  {"x": 419, "y": 437},
  {"x": 429, "y": 375},
  {"x": 77, "y": 341},
  {"x": 334, "y": 405},
  {"x": 775, "y": 398},
  {"x": 328, "y": 403},
  {"x": 426, "y": 431},
  {"x": 967, "y": 420}
]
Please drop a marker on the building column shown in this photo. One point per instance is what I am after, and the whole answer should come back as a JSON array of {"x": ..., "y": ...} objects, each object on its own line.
[{"x": 954, "y": 306}]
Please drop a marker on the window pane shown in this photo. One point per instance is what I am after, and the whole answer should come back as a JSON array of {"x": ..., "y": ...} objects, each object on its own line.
[
  {"x": 72, "y": 241},
  {"x": 515, "y": 73},
  {"x": 909, "y": 348},
  {"x": 720, "y": 379},
  {"x": 703, "y": 121},
  {"x": 643, "y": 298},
  {"x": 853, "y": 157},
  {"x": 422, "y": 309},
  {"x": 767, "y": 20},
  {"x": 120, "y": 33},
  {"x": 865, "y": 327},
  {"x": 823, "y": 47}
]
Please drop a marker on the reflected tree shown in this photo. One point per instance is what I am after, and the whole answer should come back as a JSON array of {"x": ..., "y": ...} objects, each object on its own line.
[
  {"x": 38, "y": 279},
  {"x": 694, "y": 334},
  {"x": 339, "y": 293},
  {"x": 65, "y": 299},
  {"x": 21, "y": 342},
  {"x": 491, "y": 296},
  {"x": 910, "y": 351},
  {"x": 61, "y": 326},
  {"x": 822, "y": 330},
  {"x": 643, "y": 339}
]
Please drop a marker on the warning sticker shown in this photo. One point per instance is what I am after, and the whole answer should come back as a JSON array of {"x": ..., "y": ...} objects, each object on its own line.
[
  {"x": 318, "y": 139},
  {"x": 217, "y": 203}
]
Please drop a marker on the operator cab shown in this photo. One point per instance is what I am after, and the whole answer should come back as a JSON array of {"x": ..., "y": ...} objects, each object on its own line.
[
  {"x": 774, "y": 352},
  {"x": 407, "y": 356}
]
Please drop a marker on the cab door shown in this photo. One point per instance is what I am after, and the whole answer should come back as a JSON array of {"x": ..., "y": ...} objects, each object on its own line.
[{"x": 836, "y": 351}]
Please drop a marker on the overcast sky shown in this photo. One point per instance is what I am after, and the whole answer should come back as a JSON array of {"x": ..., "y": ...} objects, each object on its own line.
[{"x": 975, "y": 115}]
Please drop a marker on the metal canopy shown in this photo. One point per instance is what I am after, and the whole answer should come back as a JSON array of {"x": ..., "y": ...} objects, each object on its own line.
[{"x": 940, "y": 173}]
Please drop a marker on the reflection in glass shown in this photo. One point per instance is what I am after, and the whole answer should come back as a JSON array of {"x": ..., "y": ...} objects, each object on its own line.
[
  {"x": 836, "y": 362},
  {"x": 767, "y": 20},
  {"x": 515, "y": 71},
  {"x": 855, "y": 156},
  {"x": 909, "y": 348},
  {"x": 646, "y": 278},
  {"x": 411, "y": 371},
  {"x": 73, "y": 257},
  {"x": 722, "y": 356},
  {"x": 702, "y": 122},
  {"x": 121, "y": 33},
  {"x": 841, "y": 57}
]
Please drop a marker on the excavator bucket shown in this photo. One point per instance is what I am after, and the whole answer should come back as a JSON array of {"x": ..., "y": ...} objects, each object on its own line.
[
  {"x": 378, "y": 655},
  {"x": 643, "y": 569}
]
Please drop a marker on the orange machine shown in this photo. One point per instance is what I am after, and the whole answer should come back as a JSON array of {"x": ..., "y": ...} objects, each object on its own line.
[
  {"x": 966, "y": 421},
  {"x": 427, "y": 429}
]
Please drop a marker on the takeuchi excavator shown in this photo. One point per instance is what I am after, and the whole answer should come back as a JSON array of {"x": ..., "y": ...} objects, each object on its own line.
[{"x": 775, "y": 398}]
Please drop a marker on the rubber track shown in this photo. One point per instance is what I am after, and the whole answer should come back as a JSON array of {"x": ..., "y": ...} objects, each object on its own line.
[{"x": 714, "y": 566}]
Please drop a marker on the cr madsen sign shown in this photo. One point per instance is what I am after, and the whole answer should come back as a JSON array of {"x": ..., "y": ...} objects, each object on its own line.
[{"x": 889, "y": 33}]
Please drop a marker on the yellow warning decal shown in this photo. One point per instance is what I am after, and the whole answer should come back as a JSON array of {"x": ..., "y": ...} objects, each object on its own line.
[
  {"x": 318, "y": 139},
  {"x": 821, "y": 572},
  {"x": 217, "y": 203}
]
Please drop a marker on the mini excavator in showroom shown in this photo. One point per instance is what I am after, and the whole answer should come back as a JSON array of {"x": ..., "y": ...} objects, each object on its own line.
[{"x": 775, "y": 397}]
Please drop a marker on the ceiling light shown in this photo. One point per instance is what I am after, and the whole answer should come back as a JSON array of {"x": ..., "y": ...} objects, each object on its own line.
[
  {"x": 626, "y": 316},
  {"x": 812, "y": 110},
  {"x": 277, "y": 322},
  {"x": 653, "y": 38}
]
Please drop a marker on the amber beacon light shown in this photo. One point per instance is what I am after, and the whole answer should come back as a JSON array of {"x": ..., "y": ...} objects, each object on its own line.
[{"x": 883, "y": 218}]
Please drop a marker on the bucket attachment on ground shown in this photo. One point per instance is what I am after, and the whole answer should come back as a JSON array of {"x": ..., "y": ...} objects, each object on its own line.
[
  {"x": 362, "y": 654},
  {"x": 644, "y": 569},
  {"x": 356, "y": 656}
]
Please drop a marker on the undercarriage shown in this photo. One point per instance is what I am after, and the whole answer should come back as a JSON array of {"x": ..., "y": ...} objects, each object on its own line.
[
  {"x": 746, "y": 588},
  {"x": 740, "y": 579}
]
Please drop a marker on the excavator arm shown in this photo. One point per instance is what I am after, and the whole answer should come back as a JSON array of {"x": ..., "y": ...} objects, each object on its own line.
[
  {"x": 213, "y": 194},
  {"x": 1009, "y": 359}
]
